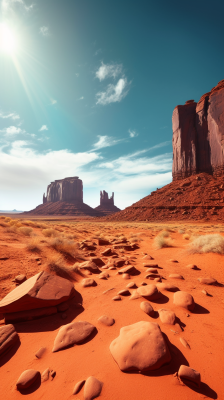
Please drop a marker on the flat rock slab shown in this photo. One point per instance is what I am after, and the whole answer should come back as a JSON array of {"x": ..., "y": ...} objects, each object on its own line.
[
  {"x": 150, "y": 292},
  {"x": 147, "y": 308},
  {"x": 87, "y": 282},
  {"x": 72, "y": 334},
  {"x": 27, "y": 378},
  {"x": 42, "y": 290},
  {"x": 208, "y": 281},
  {"x": 116, "y": 298},
  {"x": 189, "y": 374},
  {"x": 29, "y": 315},
  {"x": 167, "y": 286},
  {"x": 150, "y": 265},
  {"x": 98, "y": 261},
  {"x": 90, "y": 266},
  {"x": 184, "y": 299},
  {"x": 108, "y": 321},
  {"x": 176, "y": 276},
  {"x": 140, "y": 347},
  {"x": 130, "y": 269},
  {"x": 124, "y": 292},
  {"x": 8, "y": 338},
  {"x": 92, "y": 388},
  {"x": 167, "y": 316},
  {"x": 152, "y": 270}
]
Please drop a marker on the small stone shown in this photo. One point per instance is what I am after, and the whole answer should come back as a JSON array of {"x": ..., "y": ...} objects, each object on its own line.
[
  {"x": 45, "y": 375},
  {"x": 130, "y": 269},
  {"x": 78, "y": 386},
  {"x": 150, "y": 265},
  {"x": 124, "y": 292},
  {"x": 98, "y": 261},
  {"x": 147, "y": 308},
  {"x": 126, "y": 276},
  {"x": 152, "y": 270},
  {"x": 27, "y": 378},
  {"x": 88, "y": 282},
  {"x": 189, "y": 374},
  {"x": 106, "y": 252},
  {"x": 184, "y": 343},
  {"x": 20, "y": 279},
  {"x": 152, "y": 276},
  {"x": 131, "y": 285},
  {"x": 167, "y": 316},
  {"x": 184, "y": 299},
  {"x": 148, "y": 257},
  {"x": 108, "y": 321},
  {"x": 173, "y": 260},
  {"x": 112, "y": 268},
  {"x": 157, "y": 280},
  {"x": 72, "y": 334},
  {"x": 192, "y": 266},
  {"x": 40, "y": 352},
  {"x": 103, "y": 242},
  {"x": 167, "y": 286},
  {"x": 150, "y": 292},
  {"x": 176, "y": 276},
  {"x": 89, "y": 266},
  {"x": 116, "y": 298},
  {"x": 103, "y": 275},
  {"x": 92, "y": 388},
  {"x": 207, "y": 281},
  {"x": 204, "y": 292}
]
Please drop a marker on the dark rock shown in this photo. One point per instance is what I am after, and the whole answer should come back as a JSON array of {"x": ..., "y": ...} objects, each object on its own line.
[
  {"x": 29, "y": 315},
  {"x": 98, "y": 261},
  {"x": 102, "y": 242}
]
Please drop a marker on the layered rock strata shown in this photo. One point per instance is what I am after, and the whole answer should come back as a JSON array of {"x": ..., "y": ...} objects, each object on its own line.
[
  {"x": 67, "y": 189},
  {"x": 198, "y": 135},
  {"x": 107, "y": 204}
]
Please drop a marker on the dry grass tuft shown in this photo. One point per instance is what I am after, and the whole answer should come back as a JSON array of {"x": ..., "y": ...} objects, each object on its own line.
[
  {"x": 65, "y": 246},
  {"x": 50, "y": 232},
  {"x": 25, "y": 230},
  {"x": 212, "y": 243},
  {"x": 34, "y": 245},
  {"x": 163, "y": 240},
  {"x": 56, "y": 264},
  {"x": 4, "y": 224}
]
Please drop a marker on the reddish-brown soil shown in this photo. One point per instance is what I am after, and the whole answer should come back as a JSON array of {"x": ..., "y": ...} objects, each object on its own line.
[
  {"x": 203, "y": 328},
  {"x": 199, "y": 197}
]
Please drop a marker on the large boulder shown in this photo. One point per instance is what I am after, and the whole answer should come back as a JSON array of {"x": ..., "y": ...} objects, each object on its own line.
[
  {"x": 140, "y": 347},
  {"x": 184, "y": 299},
  {"x": 150, "y": 292},
  {"x": 8, "y": 338},
  {"x": 42, "y": 290}
]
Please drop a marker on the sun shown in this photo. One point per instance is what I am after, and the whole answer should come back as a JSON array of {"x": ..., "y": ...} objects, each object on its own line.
[{"x": 8, "y": 42}]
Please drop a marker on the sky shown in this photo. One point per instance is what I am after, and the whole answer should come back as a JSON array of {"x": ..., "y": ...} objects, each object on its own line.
[{"x": 88, "y": 88}]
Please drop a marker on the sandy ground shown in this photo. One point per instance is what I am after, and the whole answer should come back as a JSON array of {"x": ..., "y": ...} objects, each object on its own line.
[{"x": 203, "y": 329}]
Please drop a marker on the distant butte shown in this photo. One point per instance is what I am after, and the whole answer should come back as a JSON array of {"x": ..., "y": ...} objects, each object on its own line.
[
  {"x": 197, "y": 190},
  {"x": 107, "y": 204}
]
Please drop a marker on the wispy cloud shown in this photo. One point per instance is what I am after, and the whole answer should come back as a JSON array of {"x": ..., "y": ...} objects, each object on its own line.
[
  {"x": 97, "y": 52},
  {"x": 132, "y": 134},
  {"x": 105, "y": 141},
  {"x": 8, "y": 4},
  {"x": 81, "y": 98},
  {"x": 11, "y": 131},
  {"x": 113, "y": 93},
  {"x": 44, "y": 30},
  {"x": 53, "y": 101},
  {"x": 43, "y": 128},
  {"x": 13, "y": 116},
  {"x": 108, "y": 71}
]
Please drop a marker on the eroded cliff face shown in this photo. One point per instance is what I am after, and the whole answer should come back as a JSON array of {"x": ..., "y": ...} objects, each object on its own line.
[
  {"x": 68, "y": 189},
  {"x": 198, "y": 135}
]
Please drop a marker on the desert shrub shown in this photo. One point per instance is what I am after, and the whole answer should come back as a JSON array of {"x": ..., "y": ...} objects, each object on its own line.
[
  {"x": 50, "y": 232},
  {"x": 163, "y": 240},
  {"x": 7, "y": 219},
  {"x": 34, "y": 245},
  {"x": 56, "y": 264},
  {"x": 64, "y": 246},
  {"x": 3, "y": 224},
  {"x": 212, "y": 243},
  {"x": 12, "y": 229},
  {"x": 29, "y": 223},
  {"x": 186, "y": 236},
  {"x": 25, "y": 230}
]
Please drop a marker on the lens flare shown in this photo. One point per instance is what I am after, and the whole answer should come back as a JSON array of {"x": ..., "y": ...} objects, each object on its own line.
[{"x": 8, "y": 41}]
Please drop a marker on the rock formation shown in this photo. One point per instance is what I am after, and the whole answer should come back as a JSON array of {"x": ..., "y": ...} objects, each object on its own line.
[
  {"x": 107, "y": 204},
  {"x": 198, "y": 135},
  {"x": 67, "y": 189}
]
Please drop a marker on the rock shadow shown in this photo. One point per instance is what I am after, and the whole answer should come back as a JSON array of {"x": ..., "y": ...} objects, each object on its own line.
[
  {"x": 8, "y": 354},
  {"x": 204, "y": 389},
  {"x": 51, "y": 322},
  {"x": 182, "y": 324},
  {"x": 200, "y": 309},
  {"x": 161, "y": 300},
  {"x": 86, "y": 340},
  {"x": 32, "y": 388}
]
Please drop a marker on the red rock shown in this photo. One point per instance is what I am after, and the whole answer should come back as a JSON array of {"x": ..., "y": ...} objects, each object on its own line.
[
  {"x": 45, "y": 375},
  {"x": 42, "y": 290},
  {"x": 148, "y": 257},
  {"x": 118, "y": 262},
  {"x": 72, "y": 334},
  {"x": 92, "y": 388},
  {"x": 90, "y": 266},
  {"x": 176, "y": 276},
  {"x": 106, "y": 252},
  {"x": 150, "y": 292},
  {"x": 98, "y": 261},
  {"x": 147, "y": 308},
  {"x": 102, "y": 242},
  {"x": 20, "y": 279},
  {"x": 167, "y": 286},
  {"x": 103, "y": 275},
  {"x": 107, "y": 204},
  {"x": 87, "y": 282},
  {"x": 126, "y": 276},
  {"x": 150, "y": 265},
  {"x": 208, "y": 281},
  {"x": 124, "y": 292},
  {"x": 152, "y": 270},
  {"x": 108, "y": 321},
  {"x": 130, "y": 269},
  {"x": 78, "y": 387},
  {"x": 184, "y": 299},
  {"x": 116, "y": 298},
  {"x": 8, "y": 338},
  {"x": 131, "y": 285},
  {"x": 184, "y": 343},
  {"x": 40, "y": 352},
  {"x": 27, "y": 378},
  {"x": 192, "y": 266},
  {"x": 127, "y": 348},
  {"x": 152, "y": 276},
  {"x": 189, "y": 374},
  {"x": 29, "y": 315},
  {"x": 167, "y": 316}
]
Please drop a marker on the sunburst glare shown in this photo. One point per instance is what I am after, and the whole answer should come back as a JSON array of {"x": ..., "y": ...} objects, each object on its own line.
[{"x": 8, "y": 41}]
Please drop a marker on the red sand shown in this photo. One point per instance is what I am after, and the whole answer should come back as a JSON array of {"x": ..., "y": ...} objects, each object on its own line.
[{"x": 203, "y": 329}]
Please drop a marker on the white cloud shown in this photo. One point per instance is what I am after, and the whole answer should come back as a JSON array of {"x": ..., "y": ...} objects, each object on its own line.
[
  {"x": 105, "y": 141},
  {"x": 113, "y": 93},
  {"x": 132, "y": 133},
  {"x": 53, "y": 101},
  {"x": 12, "y": 130},
  {"x": 108, "y": 71},
  {"x": 43, "y": 128},
  {"x": 13, "y": 116},
  {"x": 44, "y": 30},
  {"x": 8, "y": 4},
  {"x": 81, "y": 98}
]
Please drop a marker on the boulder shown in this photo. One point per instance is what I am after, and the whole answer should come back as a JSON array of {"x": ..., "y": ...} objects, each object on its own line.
[
  {"x": 27, "y": 378},
  {"x": 167, "y": 316},
  {"x": 87, "y": 282},
  {"x": 108, "y": 321},
  {"x": 150, "y": 292},
  {"x": 189, "y": 374},
  {"x": 8, "y": 338},
  {"x": 167, "y": 286},
  {"x": 72, "y": 334},
  {"x": 130, "y": 269},
  {"x": 184, "y": 299},
  {"x": 90, "y": 266},
  {"x": 29, "y": 315},
  {"x": 92, "y": 388},
  {"x": 42, "y": 290},
  {"x": 140, "y": 347}
]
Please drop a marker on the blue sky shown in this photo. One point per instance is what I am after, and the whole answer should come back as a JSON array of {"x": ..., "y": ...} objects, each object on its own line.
[{"x": 88, "y": 87}]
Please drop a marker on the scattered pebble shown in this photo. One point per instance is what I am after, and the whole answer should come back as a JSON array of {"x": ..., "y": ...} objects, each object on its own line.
[
  {"x": 92, "y": 388},
  {"x": 45, "y": 375},
  {"x": 27, "y": 378},
  {"x": 124, "y": 292},
  {"x": 116, "y": 298},
  {"x": 108, "y": 321},
  {"x": 88, "y": 282},
  {"x": 167, "y": 316},
  {"x": 131, "y": 285},
  {"x": 40, "y": 352},
  {"x": 189, "y": 374},
  {"x": 147, "y": 308},
  {"x": 184, "y": 343},
  {"x": 176, "y": 276}
]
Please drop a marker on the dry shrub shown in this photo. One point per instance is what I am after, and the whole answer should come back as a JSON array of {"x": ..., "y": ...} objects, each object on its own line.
[
  {"x": 29, "y": 223},
  {"x": 4, "y": 224},
  {"x": 34, "y": 245},
  {"x": 163, "y": 240},
  {"x": 25, "y": 230},
  {"x": 64, "y": 246},
  {"x": 56, "y": 264},
  {"x": 186, "y": 236},
  {"x": 50, "y": 232},
  {"x": 12, "y": 229},
  {"x": 212, "y": 243}
]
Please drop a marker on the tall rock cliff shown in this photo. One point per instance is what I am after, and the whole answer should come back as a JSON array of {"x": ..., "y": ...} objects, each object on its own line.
[
  {"x": 198, "y": 135},
  {"x": 67, "y": 189},
  {"x": 107, "y": 204}
]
